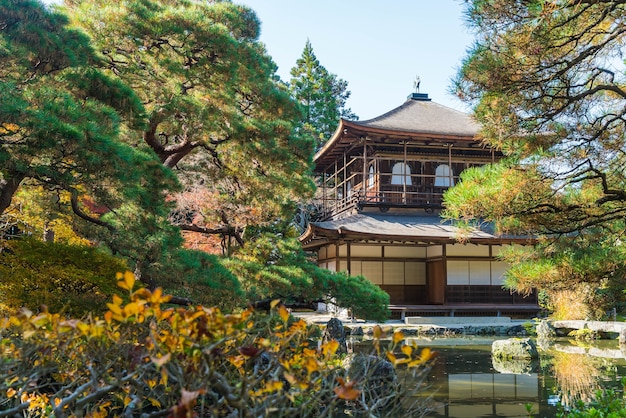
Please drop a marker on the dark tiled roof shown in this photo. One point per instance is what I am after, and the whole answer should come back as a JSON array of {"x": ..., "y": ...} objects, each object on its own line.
[
  {"x": 424, "y": 116},
  {"x": 400, "y": 227},
  {"x": 418, "y": 120}
]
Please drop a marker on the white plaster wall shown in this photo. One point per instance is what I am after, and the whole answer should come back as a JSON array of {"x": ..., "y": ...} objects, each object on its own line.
[
  {"x": 405, "y": 252},
  {"x": 458, "y": 272},
  {"x": 434, "y": 251},
  {"x": 498, "y": 269},
  {"x": 468, "y": 250},
  {"x": 366, "y": 251},
  {"x": 480, "y": 272}
]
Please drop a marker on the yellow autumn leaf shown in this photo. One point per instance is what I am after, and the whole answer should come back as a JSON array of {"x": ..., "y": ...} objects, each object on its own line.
[
  {"x": 129, "y": 279},
  {"x": 415, "y": 363},
  {"x": 311, "y": 365},
  {"x": 283, "y": 313},
  {"x": 392, "y": 358},
  {"x": 330, "y": 348},
  {"x": 83, "y": 328},
  {"x": 11, "y": 392},
  {"x": 397, "y": 337},
  {"x": 274, "y": 303},
  {"x": 154, "y": 402},
  {"x": 117, "y": 300},
  {"x": 273, "y": 386},
  {"x": 157, "y": 296},
  {"x": 113, "y": 309},
  {"x": 407, "y": 350},
  {"x": 132, "y": 308},
  {"x": 425, "y": 356}
]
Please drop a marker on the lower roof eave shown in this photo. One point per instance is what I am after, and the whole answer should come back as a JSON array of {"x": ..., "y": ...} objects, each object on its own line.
[{"x": 320, "y": 238}]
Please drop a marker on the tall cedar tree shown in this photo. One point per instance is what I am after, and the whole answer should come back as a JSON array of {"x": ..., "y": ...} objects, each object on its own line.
[
  {"x": 216, "y": 114},
  {"x": 546, "y": 79},
  {"x": 322, "y": 95}
]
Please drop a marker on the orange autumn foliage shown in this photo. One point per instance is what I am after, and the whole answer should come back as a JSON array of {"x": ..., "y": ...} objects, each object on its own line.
[{"x": 143, "y": 356}]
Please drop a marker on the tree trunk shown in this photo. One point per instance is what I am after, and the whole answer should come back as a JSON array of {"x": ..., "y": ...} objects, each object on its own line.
[{"x": 8, "y": 187}]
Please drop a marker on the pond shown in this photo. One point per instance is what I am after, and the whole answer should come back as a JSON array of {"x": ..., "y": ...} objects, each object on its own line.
[{"x": 466, "y": 382}]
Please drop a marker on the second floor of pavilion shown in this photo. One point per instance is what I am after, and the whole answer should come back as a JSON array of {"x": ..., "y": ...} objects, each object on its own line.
[{"x": 405, "y": 158}]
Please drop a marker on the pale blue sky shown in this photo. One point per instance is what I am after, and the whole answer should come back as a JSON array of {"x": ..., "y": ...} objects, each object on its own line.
[{"x": 377, "y": 46}]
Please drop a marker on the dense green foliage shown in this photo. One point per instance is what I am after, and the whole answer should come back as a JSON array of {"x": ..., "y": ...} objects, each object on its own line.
[
  {"x": 322, "y": 95},
  {"x": 72, "y": 279},
  {"x": 277, "y": 268},
  {"x": 214, "y": 110},
  {"x": 61, "y": 117},
  {"x": 548, "y": 87}
]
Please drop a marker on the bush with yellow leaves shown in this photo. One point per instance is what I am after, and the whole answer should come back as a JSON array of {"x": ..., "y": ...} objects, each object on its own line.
[{"x": 146, "y": 359}]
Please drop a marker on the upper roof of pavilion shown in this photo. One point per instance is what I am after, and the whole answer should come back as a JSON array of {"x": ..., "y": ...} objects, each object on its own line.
[{"x": 417, "y": 119}]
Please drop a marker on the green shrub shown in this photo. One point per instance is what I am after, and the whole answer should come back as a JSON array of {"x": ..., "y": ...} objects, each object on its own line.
[{"x": 69, "y": 278}]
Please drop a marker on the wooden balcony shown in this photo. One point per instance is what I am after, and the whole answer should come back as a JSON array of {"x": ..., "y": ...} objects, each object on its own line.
[
  {"x": 393, "y": 196},
  {"x": 427, "y": 198}
]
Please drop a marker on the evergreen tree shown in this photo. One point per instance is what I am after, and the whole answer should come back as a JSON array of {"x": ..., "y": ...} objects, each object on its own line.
[
  {"x": 61, "y": 117},
  {"x": 547, "y": 82},
  {"x": 215, "y": 113},
  {"x": 322, "y": 95}
]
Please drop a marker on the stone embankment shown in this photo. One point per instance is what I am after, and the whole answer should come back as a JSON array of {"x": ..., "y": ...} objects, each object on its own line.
[{"x": 429, "y": 326}]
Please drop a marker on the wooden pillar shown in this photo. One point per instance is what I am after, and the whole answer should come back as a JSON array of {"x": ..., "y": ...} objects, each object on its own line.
[
  {"x": 335, "y": 184},
  {"x": 365, "y": 179},
  {"x": 345, "y": 172},
  {"x": 324, "y": 197},
  {"x": 450, "y": 174},
  {"x": 404, "y": 176}
]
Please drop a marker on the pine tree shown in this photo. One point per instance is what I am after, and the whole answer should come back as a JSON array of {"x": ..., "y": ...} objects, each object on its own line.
[
  {"x": 215, "y": 113},
  {"x": 322, "y": 95},
  {"x": 547, "y": 82}
]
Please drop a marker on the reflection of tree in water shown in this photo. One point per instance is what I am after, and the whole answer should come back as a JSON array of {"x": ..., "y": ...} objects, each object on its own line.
[{"x": 577, "y": 376}]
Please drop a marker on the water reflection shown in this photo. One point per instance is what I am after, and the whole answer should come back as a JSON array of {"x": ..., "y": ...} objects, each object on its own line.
[
  {"x": 466, "y": 382},
  {"x": 576, "y": 375}
]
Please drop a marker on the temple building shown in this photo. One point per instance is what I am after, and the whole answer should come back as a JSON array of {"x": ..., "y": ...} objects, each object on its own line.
[{"x": 381, "y": 183}]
